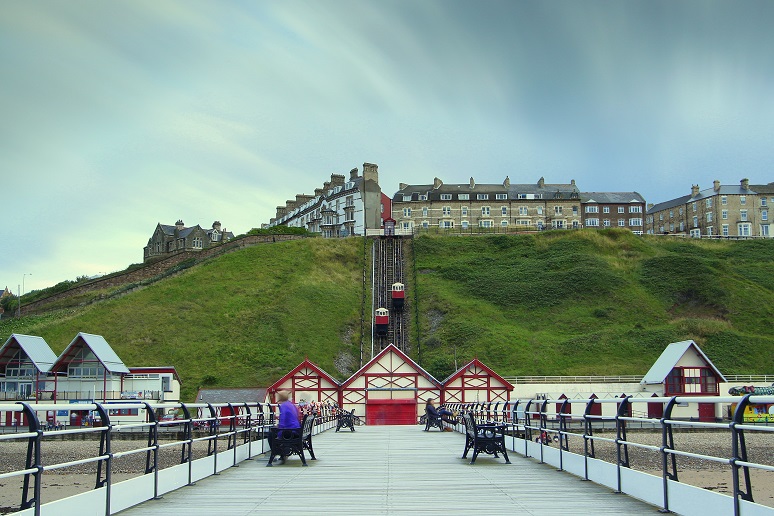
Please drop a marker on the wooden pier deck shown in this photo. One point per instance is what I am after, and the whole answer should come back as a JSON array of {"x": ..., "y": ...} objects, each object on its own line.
[{"x": 380, "y": 470}]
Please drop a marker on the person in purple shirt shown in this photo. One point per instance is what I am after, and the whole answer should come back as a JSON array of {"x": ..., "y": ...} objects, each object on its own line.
[
  {"x": 289, "y": 413},
  {"x": 289, "y": 418}
]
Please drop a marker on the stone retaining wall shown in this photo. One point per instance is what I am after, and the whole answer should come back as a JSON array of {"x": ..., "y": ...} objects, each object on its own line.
[{"x": 153, "y": 269}]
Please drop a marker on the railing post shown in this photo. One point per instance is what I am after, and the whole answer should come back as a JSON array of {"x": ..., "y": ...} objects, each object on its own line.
[
  {"x": 249, "y": 433},
  {"x": 620, "y": 434},
  {"x": 186, "y": 452},
  {"x": 667, "y": 443},
  {"x": 212, "y": 444},
  {"x": 105, "y": 448},
  {"x": 33, "y": 459},
  {"x": 153, "y": 441},
  {"x": 588, "y": 441},
  {"x": 543, "y": 427},
  {"x": 739, "y": 453},
  {"x": 563, "y": 441}
]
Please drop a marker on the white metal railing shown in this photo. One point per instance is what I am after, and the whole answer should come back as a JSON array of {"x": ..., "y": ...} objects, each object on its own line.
[
  {"x": 552, "y": 421},
  {"x": 731, "y": 378},
  {"x": 228, "y": 430}
]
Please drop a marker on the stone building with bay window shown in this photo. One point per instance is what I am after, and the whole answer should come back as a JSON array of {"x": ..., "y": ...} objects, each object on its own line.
[
  {"x": 167, "y": 240},
  {"x": 471, "y": 205},
  {"x": 721, "y": 211}
]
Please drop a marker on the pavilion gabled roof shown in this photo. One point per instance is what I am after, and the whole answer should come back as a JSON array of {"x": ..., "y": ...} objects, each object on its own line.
[
  {"x": 477, "y": 363},
  {"x": 36, "y": 349},
  {"x": 669, "y": 359},
  {"x": 391, "y": 349},
  {"x": 101, "y": 349},
  {"x": 305, "y": 364}
]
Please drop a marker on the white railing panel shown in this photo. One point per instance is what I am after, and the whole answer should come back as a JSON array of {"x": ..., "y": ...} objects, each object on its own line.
[
  {"x": 201, "y": 468},
  {"x": 603, "y": 473},
  {"x": 130, "y": 492},
  {"x": 172, "y": 478},
  {"x": 574, "y": 463},
  {"x": 648, "y": 488},
  {"x": 687, "y": 499}
]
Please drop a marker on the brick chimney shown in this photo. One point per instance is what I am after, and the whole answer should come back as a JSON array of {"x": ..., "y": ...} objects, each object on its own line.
[
  {"x": 437, "y": 183},
  {"x": 402, "y": 186},
  {"x": 371, "y": 172},
  {"x": 507, "y": 182},
  {"x": 694, "y": 190},
  {"x": 216, "y": 225},
  {"x": 179, "y": 225},
  {"x": 745, "y": 184},
  {"x": 541, "y": 182},
  {"x": 337, "y": 179},
  {"x": 472, "y": 183},
  {"x": 353, "y": 174},
  {"x": 318, "y": 192},
  {"x": 716, "y": 185}
]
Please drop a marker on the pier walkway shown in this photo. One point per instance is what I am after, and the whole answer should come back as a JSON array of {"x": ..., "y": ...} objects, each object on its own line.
[{"x": 380, "y": 470}]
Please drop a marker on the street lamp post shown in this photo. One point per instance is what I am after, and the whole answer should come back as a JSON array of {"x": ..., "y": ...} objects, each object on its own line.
[{"x": 21, "y": 292}]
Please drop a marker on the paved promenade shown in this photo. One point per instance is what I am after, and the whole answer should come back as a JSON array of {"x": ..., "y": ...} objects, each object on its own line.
[{"x": 381, "y": 470}]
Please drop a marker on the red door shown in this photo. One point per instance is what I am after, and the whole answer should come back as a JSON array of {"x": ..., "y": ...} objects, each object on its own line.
[
  {"x": 707, "y": 412},
  {"x": 391, "y": 412}
]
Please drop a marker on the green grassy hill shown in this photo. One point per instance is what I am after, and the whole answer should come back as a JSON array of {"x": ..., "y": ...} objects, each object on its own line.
[{"x": 557, "y": 303}]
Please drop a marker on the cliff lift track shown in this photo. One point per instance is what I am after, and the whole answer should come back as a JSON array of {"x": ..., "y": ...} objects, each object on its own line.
[{"x": 388, "y": 268}]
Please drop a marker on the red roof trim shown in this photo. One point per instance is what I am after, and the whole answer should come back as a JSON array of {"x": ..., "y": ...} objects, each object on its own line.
[
  {"x": 507, "y": 385},
  {"x": 306, "y": 363},
  {"x": 391, "y": 349}
]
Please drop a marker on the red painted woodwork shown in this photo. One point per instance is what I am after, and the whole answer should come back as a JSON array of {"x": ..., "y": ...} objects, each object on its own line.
[{"x": 391, "y": 412}]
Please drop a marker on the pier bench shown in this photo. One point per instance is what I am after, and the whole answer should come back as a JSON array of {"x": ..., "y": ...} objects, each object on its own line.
[
  {"x": 432, "y": 421},
  {"x": 346, "y": 419},
  {"x": 285, "y": 442},
  {"x": 486, "y": 438}
]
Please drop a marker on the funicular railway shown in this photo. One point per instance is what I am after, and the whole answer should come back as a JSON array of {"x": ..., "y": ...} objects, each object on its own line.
[{"x": 388, "y": 269}]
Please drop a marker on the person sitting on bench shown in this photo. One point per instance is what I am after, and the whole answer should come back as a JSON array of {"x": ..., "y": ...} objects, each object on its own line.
[{"x": 440, "y": 413}]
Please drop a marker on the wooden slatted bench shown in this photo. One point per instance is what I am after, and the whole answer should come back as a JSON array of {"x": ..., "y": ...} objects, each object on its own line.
[
  {"x": 286, "y": 442},
  {"x": 486, "y": 438}
]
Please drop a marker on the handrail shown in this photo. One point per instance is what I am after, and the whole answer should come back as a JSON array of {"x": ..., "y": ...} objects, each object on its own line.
[
  {"x": 220, "y": 423},
  {"x": 746, "y": 379},
  {"x": 524, "y": 416}
]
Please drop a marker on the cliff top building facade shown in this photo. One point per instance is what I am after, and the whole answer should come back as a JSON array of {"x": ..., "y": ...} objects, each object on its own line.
[
  {"x": 340, "y": 208},
  {"x": 721, "y": 211},
  {"x": 534, "y": 206}
]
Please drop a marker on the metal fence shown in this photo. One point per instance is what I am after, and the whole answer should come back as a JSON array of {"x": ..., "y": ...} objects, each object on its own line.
[
  {"x": 537, "y": 424},
  {"x": 221, "y": 427}
]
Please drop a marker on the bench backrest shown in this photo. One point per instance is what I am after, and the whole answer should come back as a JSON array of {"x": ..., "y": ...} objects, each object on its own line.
[
  {"x": 470, "y": 425},
  {"x": 306, "y": 426}
]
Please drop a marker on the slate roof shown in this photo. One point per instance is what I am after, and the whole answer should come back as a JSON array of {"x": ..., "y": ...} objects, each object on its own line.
[
  {"x": 546, "y": 190},
  {"x": 611, "y": 197},
  {"x": 36, "y": 349},
  {"x": 670, "y": 357},
  {"x": 257, "y": 394},
  {"x": 101, "y": 349},
  {"x": 711, "y": 192}
]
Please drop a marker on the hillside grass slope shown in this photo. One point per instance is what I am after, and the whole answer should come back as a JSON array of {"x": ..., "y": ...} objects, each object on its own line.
[
  {"x": 594, "y": 302},
  {"x": 557, "y": 303}
]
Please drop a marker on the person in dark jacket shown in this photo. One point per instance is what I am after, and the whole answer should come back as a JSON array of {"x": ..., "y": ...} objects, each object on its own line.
[{"x": 442, "y": 413}]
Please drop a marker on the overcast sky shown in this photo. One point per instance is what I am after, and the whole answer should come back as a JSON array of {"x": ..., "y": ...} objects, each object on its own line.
[{"x": 115, "y": 116}]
